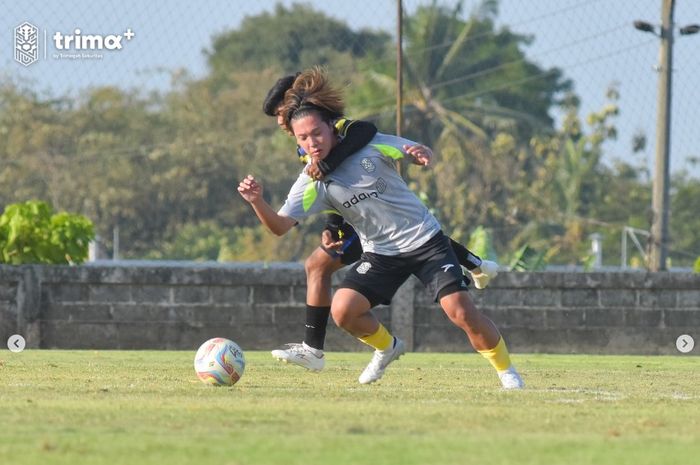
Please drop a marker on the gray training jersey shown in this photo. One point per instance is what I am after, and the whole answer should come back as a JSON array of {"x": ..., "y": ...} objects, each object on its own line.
[{"x": 369, "y": 193}]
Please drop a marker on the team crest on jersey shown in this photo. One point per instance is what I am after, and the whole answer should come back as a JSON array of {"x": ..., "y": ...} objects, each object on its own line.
[
  {"x": 368, "y": 165},
  {"x": 364, "y": 267},
  {"x": 380, "y": 185}
]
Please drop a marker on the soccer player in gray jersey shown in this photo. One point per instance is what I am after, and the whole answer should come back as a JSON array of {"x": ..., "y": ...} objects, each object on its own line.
[
  {"x": 324, "y": 261},
  {"x": 399, "y": 235}
]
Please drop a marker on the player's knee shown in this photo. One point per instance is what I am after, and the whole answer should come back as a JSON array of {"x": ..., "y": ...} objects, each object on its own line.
[
  {"x": 318, "y": 264},
  {"x": 465, "y": 319},
  {"x": 461, "y": 311},
  {"x": 340, "y": 317}
]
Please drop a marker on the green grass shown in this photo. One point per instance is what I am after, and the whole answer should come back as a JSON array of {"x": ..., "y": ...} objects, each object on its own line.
[{"x": 89, "y": 407}]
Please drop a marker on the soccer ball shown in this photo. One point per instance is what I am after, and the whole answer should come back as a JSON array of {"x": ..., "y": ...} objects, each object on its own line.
[{"x": 220, "y": 362}]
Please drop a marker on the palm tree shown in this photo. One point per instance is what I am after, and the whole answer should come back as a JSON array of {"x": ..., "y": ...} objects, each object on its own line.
[
  {"x": 466, "y": 83},
  {"x": 466, "y": 78}
]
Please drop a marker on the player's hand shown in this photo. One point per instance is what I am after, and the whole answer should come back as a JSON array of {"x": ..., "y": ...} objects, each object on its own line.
[
  {"x": 313, "y": 171},
  {"x": 328, "y": 242},
  {"x": 423, "y": 155},
  {"x": 250, "y": 189}
]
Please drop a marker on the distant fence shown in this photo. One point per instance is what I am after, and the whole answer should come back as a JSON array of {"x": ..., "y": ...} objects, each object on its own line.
[{"x": 180, "y": 306}]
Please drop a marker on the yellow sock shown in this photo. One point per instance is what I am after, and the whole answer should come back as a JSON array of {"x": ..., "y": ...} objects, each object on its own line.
[
  {"x": 380, "y": 340},
  {"x": 498, "y": 356}
]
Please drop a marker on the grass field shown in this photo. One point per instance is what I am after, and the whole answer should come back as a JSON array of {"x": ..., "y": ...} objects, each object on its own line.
[{"x": 86, "y": 407}]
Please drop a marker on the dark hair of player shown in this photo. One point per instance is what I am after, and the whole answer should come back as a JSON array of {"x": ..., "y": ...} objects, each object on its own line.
[{"x": 275, "y": 95}]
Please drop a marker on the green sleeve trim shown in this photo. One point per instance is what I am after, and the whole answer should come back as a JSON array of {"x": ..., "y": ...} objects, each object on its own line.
[
  {"x": 389, "y": 151},
  {"x": 310, "y": 194}
]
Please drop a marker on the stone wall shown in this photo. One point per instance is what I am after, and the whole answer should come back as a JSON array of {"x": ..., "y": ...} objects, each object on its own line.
[{"x": 178, "y": 306}]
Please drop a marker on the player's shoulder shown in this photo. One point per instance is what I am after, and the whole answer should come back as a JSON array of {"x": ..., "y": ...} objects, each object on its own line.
[
  {"x": 389, "y": 145},
  {"x": 302, "y": 181},
  {"x": 390, "y": 139},
  {"x": 342, "y": 125}
]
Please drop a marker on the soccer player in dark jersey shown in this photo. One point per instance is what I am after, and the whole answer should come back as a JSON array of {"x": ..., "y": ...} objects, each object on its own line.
[{"x": 339, "y": 245}]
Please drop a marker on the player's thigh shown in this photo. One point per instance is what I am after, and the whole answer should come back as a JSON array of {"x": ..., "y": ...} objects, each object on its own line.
[
  {"x": 376, "y": 277},
  {"x": 437, "y": 267}
]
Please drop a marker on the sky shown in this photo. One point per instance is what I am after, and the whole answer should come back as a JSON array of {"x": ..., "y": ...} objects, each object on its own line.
[{"x": 593, "y": 41}]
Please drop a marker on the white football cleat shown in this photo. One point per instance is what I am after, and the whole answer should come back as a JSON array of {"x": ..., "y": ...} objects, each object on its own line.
[
  {"x": 510, "y": 379},
  {"x": 302, "y": 355},
  {"x": 489, "y": 270},
  {"x": 380, "y": 360}
]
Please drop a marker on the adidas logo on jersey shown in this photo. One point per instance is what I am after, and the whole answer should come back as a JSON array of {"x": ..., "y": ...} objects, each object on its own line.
[{"x": 355, "y": 199}]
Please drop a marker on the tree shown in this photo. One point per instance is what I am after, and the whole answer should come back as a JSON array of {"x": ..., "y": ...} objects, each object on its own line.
[
  {"x": 81, "y": 155},
  {"x": 685, "y": 222},
  {"x": 287, "y": 40},
  {"x": 467, "y": 78},
  {"x": 164, "y": 166},
  {"x": 470, "y": 92},
  {"x": 566, "y": 183}
]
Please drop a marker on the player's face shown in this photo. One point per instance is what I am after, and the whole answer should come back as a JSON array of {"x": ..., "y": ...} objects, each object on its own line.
[
  {"x": 314, "y": 135},
  {"x": 280, "y": 120}
]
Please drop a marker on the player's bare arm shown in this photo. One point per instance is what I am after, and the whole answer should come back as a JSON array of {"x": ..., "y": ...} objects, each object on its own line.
[{"x": 251, "y": 191}]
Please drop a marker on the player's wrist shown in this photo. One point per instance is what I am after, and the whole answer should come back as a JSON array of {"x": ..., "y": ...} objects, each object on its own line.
[{"x": 257, "y": 203}]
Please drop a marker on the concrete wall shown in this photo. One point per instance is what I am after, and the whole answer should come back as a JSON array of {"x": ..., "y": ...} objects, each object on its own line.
[{"x": 178, "y": 306}]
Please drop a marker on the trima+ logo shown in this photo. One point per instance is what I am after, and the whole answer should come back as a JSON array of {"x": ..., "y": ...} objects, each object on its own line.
[{"x": 77, "y": 41}]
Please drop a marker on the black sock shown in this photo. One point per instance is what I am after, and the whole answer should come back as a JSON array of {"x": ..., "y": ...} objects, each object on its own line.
[
  {"x": 465, "y": 257},
  {"x": 316, "y": 322}
]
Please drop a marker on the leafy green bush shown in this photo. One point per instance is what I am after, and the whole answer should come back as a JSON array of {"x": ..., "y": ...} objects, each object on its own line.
[
  {"x": 31, "y": 233},
  {"x": 696, "y": 267}
]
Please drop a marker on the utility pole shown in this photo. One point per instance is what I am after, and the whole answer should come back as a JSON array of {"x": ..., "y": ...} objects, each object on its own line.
[
  {"x": 658, "y": 239},
  {"x": 660, "y": 196},
  {"x": 399, "y": 73},
  {"x": 399, "y": 67}
]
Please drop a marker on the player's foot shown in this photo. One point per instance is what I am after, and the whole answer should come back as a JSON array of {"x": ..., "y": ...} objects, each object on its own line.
[
  {"x": 489, "y": 270},
  {"x": 510, "y": 379},
  {"x": 380, "y": 360},
  {"x": 302, "y": 355}
]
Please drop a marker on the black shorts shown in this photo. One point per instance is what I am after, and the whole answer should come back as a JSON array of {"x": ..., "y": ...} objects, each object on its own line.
[
  {"x": 378, "y": 277},
  {"x": 352, "y": 249}
]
